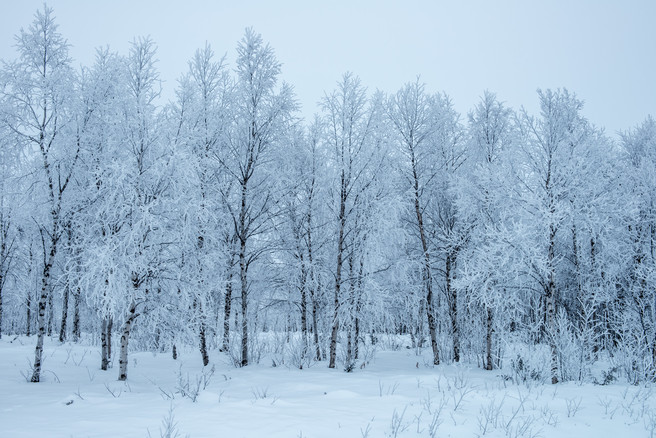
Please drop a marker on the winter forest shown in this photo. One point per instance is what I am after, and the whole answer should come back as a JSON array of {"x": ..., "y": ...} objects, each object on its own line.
[{"x": 221, "y": 222}]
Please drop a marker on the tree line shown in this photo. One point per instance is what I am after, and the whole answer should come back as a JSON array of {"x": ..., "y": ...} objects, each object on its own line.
[{"x": 499, "y": 238}]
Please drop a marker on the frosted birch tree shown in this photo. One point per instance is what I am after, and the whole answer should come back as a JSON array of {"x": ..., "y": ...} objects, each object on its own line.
[
  {"x": 200, "y": 121},
  {"x": 9, "y": 211},
  {"x": 483, "y": 203},
  {"x": 350, "y": 121},
  {"x": 99, "y": 220},
  {"x": 260, "y": 110},
  {"x": 637, "y": 303},
  {"x": 37, "y": 93},
  {"x": 411, "y": 113},
  {"x": 547, "y": 144}
]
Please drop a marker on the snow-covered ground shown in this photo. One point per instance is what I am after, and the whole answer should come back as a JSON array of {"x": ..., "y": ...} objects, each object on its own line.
[{"x": 395, "y": 395}]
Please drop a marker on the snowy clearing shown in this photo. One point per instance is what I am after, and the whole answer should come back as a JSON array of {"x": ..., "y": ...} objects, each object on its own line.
[{"x": 395, "y": 395}]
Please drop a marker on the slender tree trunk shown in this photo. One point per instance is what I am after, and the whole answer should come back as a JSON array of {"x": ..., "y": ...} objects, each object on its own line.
[
  {"x": 453, "y": 306},
  {"x": 41, "y": 316},
  {"x": 315, "y": 325},
  {"x": 244, "y": 304},
  {"x": 338, "y": 275},
  {"x": 226, "y": 313},
  {"x": 304, "y": 304},
  {"x": 110, "y": 326},
  {"x": 334, "y": 331},
  {"x": 174, "y": 352},
  {"x": 243, "y": 274},
  {"x": 125, "y": 338},
  {"x": 488, "y": 338},
  {"x": 64, "y": 317},
  {"x": 356, "y": 335},
  {"x": 76, "y": 315},
  {"x": 358, "y": 309},
  {"x": 28, "y": 300},
  {"x": 203, "y": 345},
  {"x": 51, "y": 313},
  {"x": 313, "y": 289},
  {"x": 203, "y": 338},
  {"x": 551, "y": 305},
  {"x": 28, "y": 316},
  {"x": 350, "y": 318},
  {"x": 304, "y": 324},
  {"x": 104, "y": 356},
  {"x": 427, "y": 275}
]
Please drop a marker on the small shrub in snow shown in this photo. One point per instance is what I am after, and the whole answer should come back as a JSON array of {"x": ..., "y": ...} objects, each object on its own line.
[
  {"x": 169, "y": 427},
  {"x": 189, "y": 388}
]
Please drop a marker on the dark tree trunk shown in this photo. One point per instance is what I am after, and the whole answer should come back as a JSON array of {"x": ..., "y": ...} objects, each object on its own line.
[
  {"x": 28, "y": 300},
  {"x": 244, "y": 304},
  {"x": 203, "y": 345},
  {"x": 453, "y": 306},
  {"x": 243, "y": 271},
  {"x": 550, "y": 299},
  {"x": 104, "y": 356},
  {"x": 110, "y": 326},
  {"x": 304, "y": 305},
  {"x": 488, "y": 338},
  {"x": 226, "y": 313},
  {"x": 313, "y": 290},
  {"x": 315, "y": 326},
  {"x": 64, "y": 317},
  {"x": 427, "y": 274},
  {"x": 358, "y": 309},
  {"x": 51, "y": 313},
  {"x": 125, "y": 338},
  {"x": 76, "y": 315},
  {"x": 338, "y": 276},
  {"x": 28, "y": 316},
  {"x": 41, "y": 317},
  {"x": 351, "y": 316},
  {"x": 203, "y": 337},
  {"x": 334, "y": 331}
]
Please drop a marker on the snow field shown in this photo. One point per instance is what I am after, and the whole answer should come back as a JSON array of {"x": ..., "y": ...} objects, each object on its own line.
[{"x": 395, "y": 395}]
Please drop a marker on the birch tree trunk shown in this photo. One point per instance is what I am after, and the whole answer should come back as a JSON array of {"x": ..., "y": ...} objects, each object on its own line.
[
  {"x": 226, "y": 313},
  {"x": 202, "y": 337},
  {"x": 76, "y": 315},
  {"x": 41, "y": 316},
  {"x": 125, "y": 338},
  {"x": 104, "y": 357},
  {"x": 488, "y": 337},
  {"x": 304, "y": 305},
  {"x": 338, "y": 276},
  {"x": 64, "y": 317},
  {"x": 453, "y": 306},
  {"x": 550, "y": 299},
  {"x": 315, "y": 325},
  {"x": 427, "y": 275},
  {"x": 244, "y": 282}
]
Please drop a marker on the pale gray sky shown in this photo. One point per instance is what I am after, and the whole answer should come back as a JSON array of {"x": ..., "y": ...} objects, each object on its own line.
[{"x": 605, "y": 51}]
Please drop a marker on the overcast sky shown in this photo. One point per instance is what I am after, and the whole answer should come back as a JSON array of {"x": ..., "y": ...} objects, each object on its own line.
[{"x": 604, "y": 51}]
